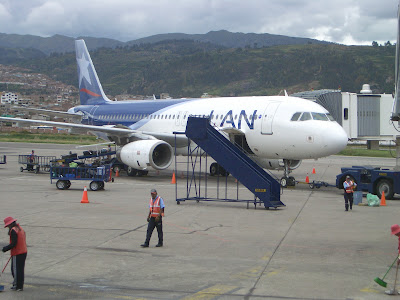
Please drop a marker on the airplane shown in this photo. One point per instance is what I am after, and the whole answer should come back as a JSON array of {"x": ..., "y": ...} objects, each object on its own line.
[{"x": 277, "y": 131}]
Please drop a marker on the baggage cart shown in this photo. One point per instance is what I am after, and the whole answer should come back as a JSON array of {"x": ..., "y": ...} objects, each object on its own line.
[
  {"x": 35, "y": 163},
  {"x": 98, "y": 175}
]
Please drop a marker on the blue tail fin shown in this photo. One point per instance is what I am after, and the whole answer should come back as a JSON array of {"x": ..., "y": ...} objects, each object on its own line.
[{"x": 90, "y": 90}]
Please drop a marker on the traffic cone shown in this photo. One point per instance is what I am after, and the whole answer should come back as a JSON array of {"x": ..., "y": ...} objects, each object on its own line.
[
  {"x": 173, "y": 181},
  {"x": 383, "y": 199},
  {"x": 313, "y": 170},
  {"x": 84, "y": 196},
  {"x": 117, "y": 173},
  {"x": 307, "y": 179}
]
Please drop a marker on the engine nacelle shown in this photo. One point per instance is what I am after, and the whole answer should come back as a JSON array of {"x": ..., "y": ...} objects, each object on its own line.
[
  {"x": 277, "y": 164},
  {"x": 146, "y": 153}
]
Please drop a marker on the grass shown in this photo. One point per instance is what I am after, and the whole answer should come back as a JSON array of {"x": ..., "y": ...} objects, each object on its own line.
[
  {"x": 359, "y": 151},
  {"x": 50, "y": 138}
]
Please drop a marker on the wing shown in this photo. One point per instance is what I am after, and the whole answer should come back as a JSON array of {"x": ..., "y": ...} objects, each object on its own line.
[
  {"x": 118, "y": 134},
  {"x": 60, "y": 114}
]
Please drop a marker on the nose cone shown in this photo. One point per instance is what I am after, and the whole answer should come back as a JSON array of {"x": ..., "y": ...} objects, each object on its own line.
[{"x": 335, "y": 139}]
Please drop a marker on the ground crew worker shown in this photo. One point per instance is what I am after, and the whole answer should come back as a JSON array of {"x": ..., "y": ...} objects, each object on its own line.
[
  {"x": 31, "y": 161},
  {"x": 18, "y": 252},
  {"x": 349, "y": 187},
  {"x": 154, "y": 218},
  {"x": 395, "y": 229}
]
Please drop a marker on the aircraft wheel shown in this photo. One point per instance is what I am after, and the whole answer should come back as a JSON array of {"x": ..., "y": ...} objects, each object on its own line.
[
  {"x": 284, "y": 182},
  {"x": 131, "y": 171},
  {"x": 142, "y": 172},
  {"x": 214, "y": 169}
]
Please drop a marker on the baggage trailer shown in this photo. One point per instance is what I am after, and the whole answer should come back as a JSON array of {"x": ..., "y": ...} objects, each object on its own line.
[
  {"x": 97, "y": 175},
  {"x": 35, "y": 163},
  {"x": 3, "y": 160},
  {"x": 374, "y": 180}
]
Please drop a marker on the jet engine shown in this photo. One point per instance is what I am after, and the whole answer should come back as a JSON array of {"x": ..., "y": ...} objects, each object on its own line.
[
  {"x": 278, "y": 164},
  {"x": 146, "y": 153}
]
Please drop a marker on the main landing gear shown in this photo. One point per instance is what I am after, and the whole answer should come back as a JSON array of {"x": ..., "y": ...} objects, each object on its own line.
[{"x": 287, "y": 180}]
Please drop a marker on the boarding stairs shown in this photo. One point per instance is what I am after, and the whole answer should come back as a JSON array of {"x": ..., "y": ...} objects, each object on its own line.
[{"x": 263, "y": 185}]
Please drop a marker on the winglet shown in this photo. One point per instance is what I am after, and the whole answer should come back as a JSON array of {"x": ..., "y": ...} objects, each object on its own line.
[{"x": 90, "y": 89}]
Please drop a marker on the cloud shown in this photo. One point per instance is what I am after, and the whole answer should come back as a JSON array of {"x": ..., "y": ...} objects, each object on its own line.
[{"x": 342, "y": 21}]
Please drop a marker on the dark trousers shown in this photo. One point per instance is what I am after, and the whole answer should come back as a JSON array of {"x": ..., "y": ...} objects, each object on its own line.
[
  {"x": 18, "y": 270},
  {"x": 150, "y": 227},
  {"x": 348, "y": 198}
]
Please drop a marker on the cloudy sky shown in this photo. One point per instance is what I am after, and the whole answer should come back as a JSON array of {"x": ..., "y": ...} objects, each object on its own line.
[{"x": 342, "y": 21}]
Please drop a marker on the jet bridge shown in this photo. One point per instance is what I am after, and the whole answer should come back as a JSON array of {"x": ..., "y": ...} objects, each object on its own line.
[{"x": 264, "y": 186}]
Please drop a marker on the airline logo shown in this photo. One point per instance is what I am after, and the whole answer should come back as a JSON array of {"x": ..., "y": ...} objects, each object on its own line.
[{"x": 229, "y": 119}]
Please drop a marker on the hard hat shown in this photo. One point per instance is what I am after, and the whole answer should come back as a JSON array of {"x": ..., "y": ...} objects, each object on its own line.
[
  {"x": 9, "y": 220},
  {"x": 153, "y": 191}
]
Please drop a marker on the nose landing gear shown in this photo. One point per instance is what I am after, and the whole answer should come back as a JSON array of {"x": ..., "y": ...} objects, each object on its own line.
[{"x": 287, "y": 180}]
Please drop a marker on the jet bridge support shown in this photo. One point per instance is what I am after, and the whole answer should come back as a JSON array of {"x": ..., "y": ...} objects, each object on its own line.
[{"x": 265, "y": 188}]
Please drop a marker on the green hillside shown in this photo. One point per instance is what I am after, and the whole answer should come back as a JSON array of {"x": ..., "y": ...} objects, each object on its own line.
[{"x": 186, "y": 68}]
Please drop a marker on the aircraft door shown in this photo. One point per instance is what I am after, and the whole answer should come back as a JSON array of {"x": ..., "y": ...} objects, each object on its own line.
[
  {"x": 268, "y": 117},
  {"x": 91, "y": 115}
]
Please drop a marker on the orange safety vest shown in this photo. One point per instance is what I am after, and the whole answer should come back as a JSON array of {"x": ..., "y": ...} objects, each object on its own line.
[
  {"x": 349, "y": 188},
  {"x": 155, "y": 209},
  {"x": 20, "y": 248}
]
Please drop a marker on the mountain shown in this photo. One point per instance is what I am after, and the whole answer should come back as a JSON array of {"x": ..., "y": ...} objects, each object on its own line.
[
  {"x": 231, "y": 40},
  {"x": 55, "y": 44},
  {"x": 13, "y": 55},
  {"x": 185, "y": 68},
  {"x": 63, "y": 44}
]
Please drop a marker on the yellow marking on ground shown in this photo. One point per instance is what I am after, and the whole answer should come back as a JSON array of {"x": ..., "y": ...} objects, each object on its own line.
[
  {"x": 250, "y": 273},
  {"x": 369, "y": 290},
  {"x": 211, "y": 292},
  {"x": 267, "y": 256}
]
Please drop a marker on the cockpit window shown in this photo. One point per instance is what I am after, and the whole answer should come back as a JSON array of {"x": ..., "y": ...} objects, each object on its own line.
[
  {"x": 305, "y": 116},
  {"x": 330, "y": 117},
  {"x": 296, "y": 116},
  {"x": 319, "y": 116}
]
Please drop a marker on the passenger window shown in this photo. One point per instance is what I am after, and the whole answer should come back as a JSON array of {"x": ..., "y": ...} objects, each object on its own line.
[
  {"x": 319, "y": 116},
  {"x": 295, "y": 117},
  {"x": 305, "y": 116}
]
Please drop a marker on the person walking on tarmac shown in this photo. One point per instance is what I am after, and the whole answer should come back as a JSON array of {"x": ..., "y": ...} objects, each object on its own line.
[
  {"x": 154, "y": 219},
  {"x": 349, "y": 187},
  {"x": 18, "y": 252},
  {"x": 395, "y": 229}
]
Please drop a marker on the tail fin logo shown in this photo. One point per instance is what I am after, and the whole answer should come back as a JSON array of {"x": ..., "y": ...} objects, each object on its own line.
[
  {"x": 83, "y": 65},
  {"x": 90, "y": 90}
]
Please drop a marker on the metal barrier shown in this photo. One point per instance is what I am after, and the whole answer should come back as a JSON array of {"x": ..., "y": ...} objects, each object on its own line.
[{"x": 35, "y": 162}]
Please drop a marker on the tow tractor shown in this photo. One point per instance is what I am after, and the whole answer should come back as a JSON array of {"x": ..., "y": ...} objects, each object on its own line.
[{"x": 374, "y": 180}]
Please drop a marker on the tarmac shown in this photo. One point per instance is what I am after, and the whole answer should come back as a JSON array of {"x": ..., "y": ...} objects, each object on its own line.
[{"x": 310, "y": 249}]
